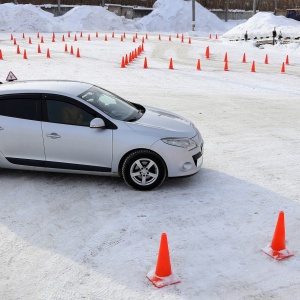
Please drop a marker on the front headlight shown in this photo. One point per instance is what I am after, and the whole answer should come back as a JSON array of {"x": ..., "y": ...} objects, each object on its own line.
[{"x": 186, "y": 143}]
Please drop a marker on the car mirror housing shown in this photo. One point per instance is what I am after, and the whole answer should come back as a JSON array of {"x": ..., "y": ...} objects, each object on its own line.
[{"x": 97, "y": 123}]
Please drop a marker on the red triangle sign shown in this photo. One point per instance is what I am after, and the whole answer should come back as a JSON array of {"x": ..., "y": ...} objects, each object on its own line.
[{"x": 11, "y": 76}]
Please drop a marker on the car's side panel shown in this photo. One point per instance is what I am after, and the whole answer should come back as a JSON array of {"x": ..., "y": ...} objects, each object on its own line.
[
  {"x": 77, "y": 145},
  {"x": 21, "y": 139}
]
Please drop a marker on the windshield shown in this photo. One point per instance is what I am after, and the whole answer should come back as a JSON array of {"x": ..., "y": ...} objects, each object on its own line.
[{"x": 112, "y": 105}]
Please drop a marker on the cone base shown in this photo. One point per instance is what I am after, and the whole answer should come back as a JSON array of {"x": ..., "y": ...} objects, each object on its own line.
[
  {"x": 160, "y": 282},
  {"x": 278, "y": 255}
]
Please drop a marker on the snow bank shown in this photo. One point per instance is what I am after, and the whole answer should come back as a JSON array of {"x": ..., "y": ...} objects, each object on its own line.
[
  {"x": 89, "y": 18},
  {"x": 176, "y": 15},
  {"x": 29, "y": 18},
  {"x": 24, "y": 18},
  {"x": 262, "y": 25}
]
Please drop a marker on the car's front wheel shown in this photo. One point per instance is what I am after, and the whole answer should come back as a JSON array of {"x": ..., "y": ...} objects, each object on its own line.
[{"x": 144, "y": 170}]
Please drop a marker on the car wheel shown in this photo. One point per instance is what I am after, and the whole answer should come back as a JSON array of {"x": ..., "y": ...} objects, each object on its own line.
[{"x": 144, "y": 170}]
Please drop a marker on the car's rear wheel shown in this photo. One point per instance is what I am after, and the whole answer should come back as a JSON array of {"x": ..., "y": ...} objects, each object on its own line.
[{"x": 144, "y": 170}]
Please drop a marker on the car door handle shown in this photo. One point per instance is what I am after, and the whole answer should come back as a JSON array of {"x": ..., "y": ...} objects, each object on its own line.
[{"x": 53, "y": 135}]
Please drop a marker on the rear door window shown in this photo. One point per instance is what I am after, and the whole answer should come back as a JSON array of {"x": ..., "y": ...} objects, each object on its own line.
[{"x": 21, "y": 106}]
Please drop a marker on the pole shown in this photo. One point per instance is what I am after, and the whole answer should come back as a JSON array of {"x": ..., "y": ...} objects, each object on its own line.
[
  {"x": 193, "y": 15},
  {"x": 58, "y": 7},
  {"x": 254, "y": 7},
  {"x": 226, "y": 10},
  {"x": 103, "y": 3},
  {"x": 276, "y": 4}
]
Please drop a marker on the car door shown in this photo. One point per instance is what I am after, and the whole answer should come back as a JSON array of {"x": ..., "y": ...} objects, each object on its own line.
[
  {"x": 21, "y": 140},
  {"x": 69, "y": 141}
]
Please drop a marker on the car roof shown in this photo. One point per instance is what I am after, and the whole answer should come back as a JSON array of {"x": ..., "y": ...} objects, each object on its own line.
[{"x": 67, "y": 87}]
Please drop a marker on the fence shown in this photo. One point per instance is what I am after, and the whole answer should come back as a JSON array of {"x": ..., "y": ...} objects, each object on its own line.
[{"x": 262, "y": 5}]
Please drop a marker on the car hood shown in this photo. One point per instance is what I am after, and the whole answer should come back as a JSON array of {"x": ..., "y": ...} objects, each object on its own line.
[{"x": 163, "y": 123}]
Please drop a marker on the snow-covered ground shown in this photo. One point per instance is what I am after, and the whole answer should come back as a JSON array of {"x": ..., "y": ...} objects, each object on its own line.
[{"x": 87, "y": 237}]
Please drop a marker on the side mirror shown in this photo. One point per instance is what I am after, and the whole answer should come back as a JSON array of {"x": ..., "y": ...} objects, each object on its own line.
[{"x": 97, "y": 123}]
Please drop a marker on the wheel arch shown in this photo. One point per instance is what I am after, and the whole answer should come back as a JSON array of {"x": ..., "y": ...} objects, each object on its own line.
[{"x": 121, "y": 162}]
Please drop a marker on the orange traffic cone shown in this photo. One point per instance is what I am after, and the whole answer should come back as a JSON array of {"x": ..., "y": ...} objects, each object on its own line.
[
  {"x": 143, "y": 40},
  {"x": 75, "y": 38},
  {"x": 177, "y": 35},
  {"x": 48, "y": 53},
  {"x": 15, "y": 41},
  {"x": 123, "y": 62},
  {"x": 287, "y": 61},
  {"x": 207, "y": 54},
  {"x": 126, "y": 60},
  {"x": 171, "y": 64},
  {"x": 113, "y": 35},
  {"x": 226, "y": 66},
  {"x": 225, "y": 57},
  {"x": 1, "y": 57},
  {"x": 53, "y": 39},
  {"x": 266, "y": 59},
  {"x": 78, "y": 53},
  {"x": 145, "y": 63},
  {"x": 42, "y": 40},
  {"x": 11, "y": 37},
  {"x": 80, "y": 34},
  {"x": 71, "y": 51},
  {"x": 146, "y": 36},
  {"x": 277, "y": 248},
  {"x": 124, "y": 35},
  {"x": 105, "y": 38},
  {"x": 38, "y": 35},
  {"x": 63, "y": 38},
  {"x": 216, "y": 36},
  {"x": 18, "y": 50},
  {"x": 198, "y": 65},
  {"x": 121, "y": 38},
  {"x": 23, "y": 35},
  {"x": 97, "y": 35},
  {"x": 133, "y": 39},
  {"x": 283, "y": 68},
  {"x": 253, "y": 67},
  {"x": 25, "y": 54},
  {"x": 162, "y": 275},
  {"x": 210, "y": 35},
  {"x": 170, "y": 38},
  {"x": 182, "y": 38},
  {"x": 29, "y": 40},
  {"x": 69, "y": 34},
  {"x": 39, "y": 49},
  {"x": 136, "y": 36},
  {"x": 244, "y": 58},
  {"x": 89, "y": 37},
  {"x": 159, "y": 37},
  {"x": 190, "y": 40},
  {"x": 66, "y": 48}
]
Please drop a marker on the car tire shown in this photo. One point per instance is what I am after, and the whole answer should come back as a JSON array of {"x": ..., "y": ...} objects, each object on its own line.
[{"x": 144, "y": 170}]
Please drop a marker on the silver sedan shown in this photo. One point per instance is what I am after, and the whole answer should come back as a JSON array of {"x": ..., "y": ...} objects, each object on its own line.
[{"x": 76, "y": 127}]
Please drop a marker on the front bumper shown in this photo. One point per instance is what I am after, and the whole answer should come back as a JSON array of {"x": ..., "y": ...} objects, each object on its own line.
[{"x": 179, "y": 161}]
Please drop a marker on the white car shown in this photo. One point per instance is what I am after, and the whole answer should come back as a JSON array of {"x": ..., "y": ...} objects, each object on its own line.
[{"x": 77, "y": 127}]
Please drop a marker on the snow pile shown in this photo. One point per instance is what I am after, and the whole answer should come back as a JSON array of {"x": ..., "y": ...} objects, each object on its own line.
[
  {"x": 176, "y": 15},
  {"x": 24, "y": 18},
  {"x": 29, "y": 18},
  {"x": 262, "y": 24},
  {"x": 89, "y": 18}
]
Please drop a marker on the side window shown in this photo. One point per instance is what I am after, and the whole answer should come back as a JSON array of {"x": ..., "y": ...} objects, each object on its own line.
[
  {"x": 19, "y": 108},
  {"x": 66, "y": 113}
]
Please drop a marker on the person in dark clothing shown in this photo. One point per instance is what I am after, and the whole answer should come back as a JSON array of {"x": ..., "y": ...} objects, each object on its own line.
[
  {"x": 246, "y": 36},
  {"x": 274, "y": 33}
]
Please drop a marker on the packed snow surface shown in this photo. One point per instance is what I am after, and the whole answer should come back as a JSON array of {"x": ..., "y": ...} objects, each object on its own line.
[{"x": 79, "y": 237}]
